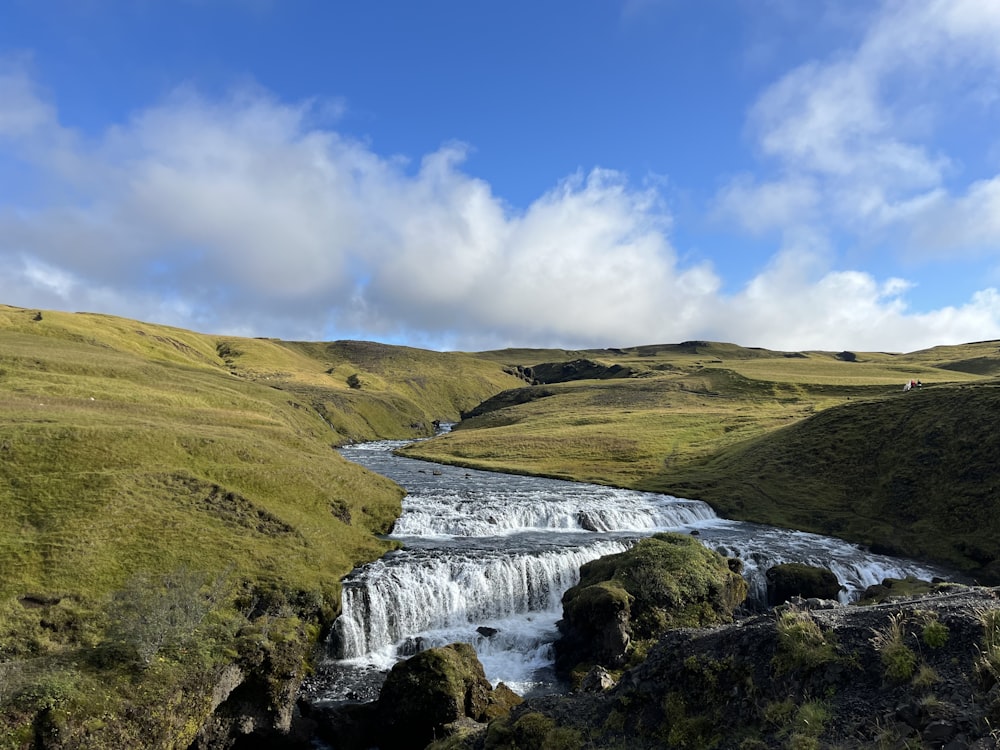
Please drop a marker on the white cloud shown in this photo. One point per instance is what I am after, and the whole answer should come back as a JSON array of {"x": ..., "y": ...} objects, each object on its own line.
[
  {"x": 853, "y": 133},
  {"x": 244, "y": 216}
]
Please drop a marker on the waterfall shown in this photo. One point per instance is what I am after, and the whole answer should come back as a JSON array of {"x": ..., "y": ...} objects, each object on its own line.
[
  {"x": 487, "y": 558},
  {"x": 406, "y": 593},
  {"x": 490, "y": 513}
]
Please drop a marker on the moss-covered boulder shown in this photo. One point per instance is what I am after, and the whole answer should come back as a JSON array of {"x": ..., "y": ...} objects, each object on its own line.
[
  {"x": 625, "y": 601},
  {"x": 434, "y": 689},
  {"x": 787, "y": 580}
]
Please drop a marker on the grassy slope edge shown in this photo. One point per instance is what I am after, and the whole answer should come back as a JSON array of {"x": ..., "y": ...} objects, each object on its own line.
[{"x": 172, "y": 510}]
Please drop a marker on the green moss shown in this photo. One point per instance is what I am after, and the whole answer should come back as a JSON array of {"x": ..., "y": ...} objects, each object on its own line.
[
  {"x": 532, "y": 731},
  {"x": 669, "y": 580}
]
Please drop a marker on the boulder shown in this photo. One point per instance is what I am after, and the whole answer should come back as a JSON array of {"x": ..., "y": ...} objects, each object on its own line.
[
  {"x": 434, "y": 689},
  {"x": 795, "y": 579},
  {"x": 663, "y": 582}
]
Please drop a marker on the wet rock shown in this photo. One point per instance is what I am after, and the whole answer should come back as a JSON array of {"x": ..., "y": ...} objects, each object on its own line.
[
  {"x": 939, "y": 733},
  {"x": 795, "y": 579}
]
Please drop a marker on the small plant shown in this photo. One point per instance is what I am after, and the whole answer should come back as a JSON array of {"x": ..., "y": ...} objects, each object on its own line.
[
  {"x": 686, "y": 728},
  {"x": 807, "y": 726},
  {"x": 150, "y": 615},
  {"x": 898, "y": 659},
  {"x": 926, "y": 676},
  {"x": 988, "y": 664},
  {"x": 801, "y": 643},
  {"x": 935, "y": 633},
  {"x": 779, "y": 713}
]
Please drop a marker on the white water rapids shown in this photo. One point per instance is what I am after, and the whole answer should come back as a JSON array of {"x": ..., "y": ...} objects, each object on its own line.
[{"x": 487, "y": 558}]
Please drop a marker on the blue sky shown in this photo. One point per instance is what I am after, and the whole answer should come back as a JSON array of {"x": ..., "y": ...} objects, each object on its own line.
[{"x": 473, "y": 175}]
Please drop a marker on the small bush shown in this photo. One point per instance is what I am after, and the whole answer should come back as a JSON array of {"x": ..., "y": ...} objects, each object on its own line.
[
  {"x": 935, "y": 633},
  {"x": 898, "y": 659},
  {"x": 532, "y": 731},
  {"x": 811, "y": 718},
  {"x": 149, "y": 616},
  {"x": 779, "y": 713},
  {"x": 926, "y": 676},
  {"x": 801, "y": 643}
]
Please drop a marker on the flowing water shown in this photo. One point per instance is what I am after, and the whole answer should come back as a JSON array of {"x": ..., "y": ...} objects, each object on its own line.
[{"x": 487, "y": 557}]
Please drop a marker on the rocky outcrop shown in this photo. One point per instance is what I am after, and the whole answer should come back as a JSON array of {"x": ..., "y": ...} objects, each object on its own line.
[
  {"x": 921, "y": 672},
  {"x": 623, "y": 601},
  {"x": 437, "y": 693},
  {"x": 790, "y": 580},
  {"x": 577, "y": 369}
]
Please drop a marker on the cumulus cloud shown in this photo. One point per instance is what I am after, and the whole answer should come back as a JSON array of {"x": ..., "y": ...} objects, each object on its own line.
[{"x": 244, "y": 216}]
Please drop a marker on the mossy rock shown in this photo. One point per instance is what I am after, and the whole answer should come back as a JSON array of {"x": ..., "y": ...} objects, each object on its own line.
[
  {"x": 663, "y": 582},
  {"x": 788, "y": 580},
  {"x": 433, "y": 689}
]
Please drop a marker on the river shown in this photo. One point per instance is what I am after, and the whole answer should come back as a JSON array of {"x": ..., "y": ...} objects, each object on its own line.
[{"x": 486, "y": 558}]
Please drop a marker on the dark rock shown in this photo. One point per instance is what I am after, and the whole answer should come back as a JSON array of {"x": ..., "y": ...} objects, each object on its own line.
[
  {"x": 577, "y": 369},
  {"x": 795, "y": 579},
  {"x": 433, "y": 689},
  {"x": 748, "y": 684},
  {"x": 938, "y": 733},
  {"x": 585, "y": 522},
  {"x": 486, "y": 632}
]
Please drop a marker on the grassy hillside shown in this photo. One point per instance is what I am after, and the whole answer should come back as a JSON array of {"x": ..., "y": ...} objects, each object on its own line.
[
  {"x": 825, "y": 441},
  {"x": 174, "y": 519},
  {"x": 150, "y": 469},
  {"x": 913, "y": 473}
]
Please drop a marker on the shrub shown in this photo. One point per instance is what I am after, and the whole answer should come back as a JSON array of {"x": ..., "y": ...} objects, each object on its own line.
[
  {"x": 150, "y": 615},
  {"x": 988, "y": 663},
  {"x": 935, "y": 633}
]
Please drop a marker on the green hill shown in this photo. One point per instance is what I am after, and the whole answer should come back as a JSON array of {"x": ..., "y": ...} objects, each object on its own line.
[
  {"x": 171, "y": 507},
  {"x": 914, "y": 474},
  {"x": 820, "y": 441}
]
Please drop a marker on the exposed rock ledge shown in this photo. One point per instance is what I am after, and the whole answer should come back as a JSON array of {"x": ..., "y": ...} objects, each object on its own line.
[{"x": 916, "y": 673}]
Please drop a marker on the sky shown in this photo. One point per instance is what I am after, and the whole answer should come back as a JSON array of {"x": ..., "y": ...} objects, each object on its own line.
[{"x": 473, "y": 175}]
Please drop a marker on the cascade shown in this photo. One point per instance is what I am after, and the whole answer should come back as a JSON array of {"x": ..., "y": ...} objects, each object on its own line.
[{"x": 487, "y": 557}]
